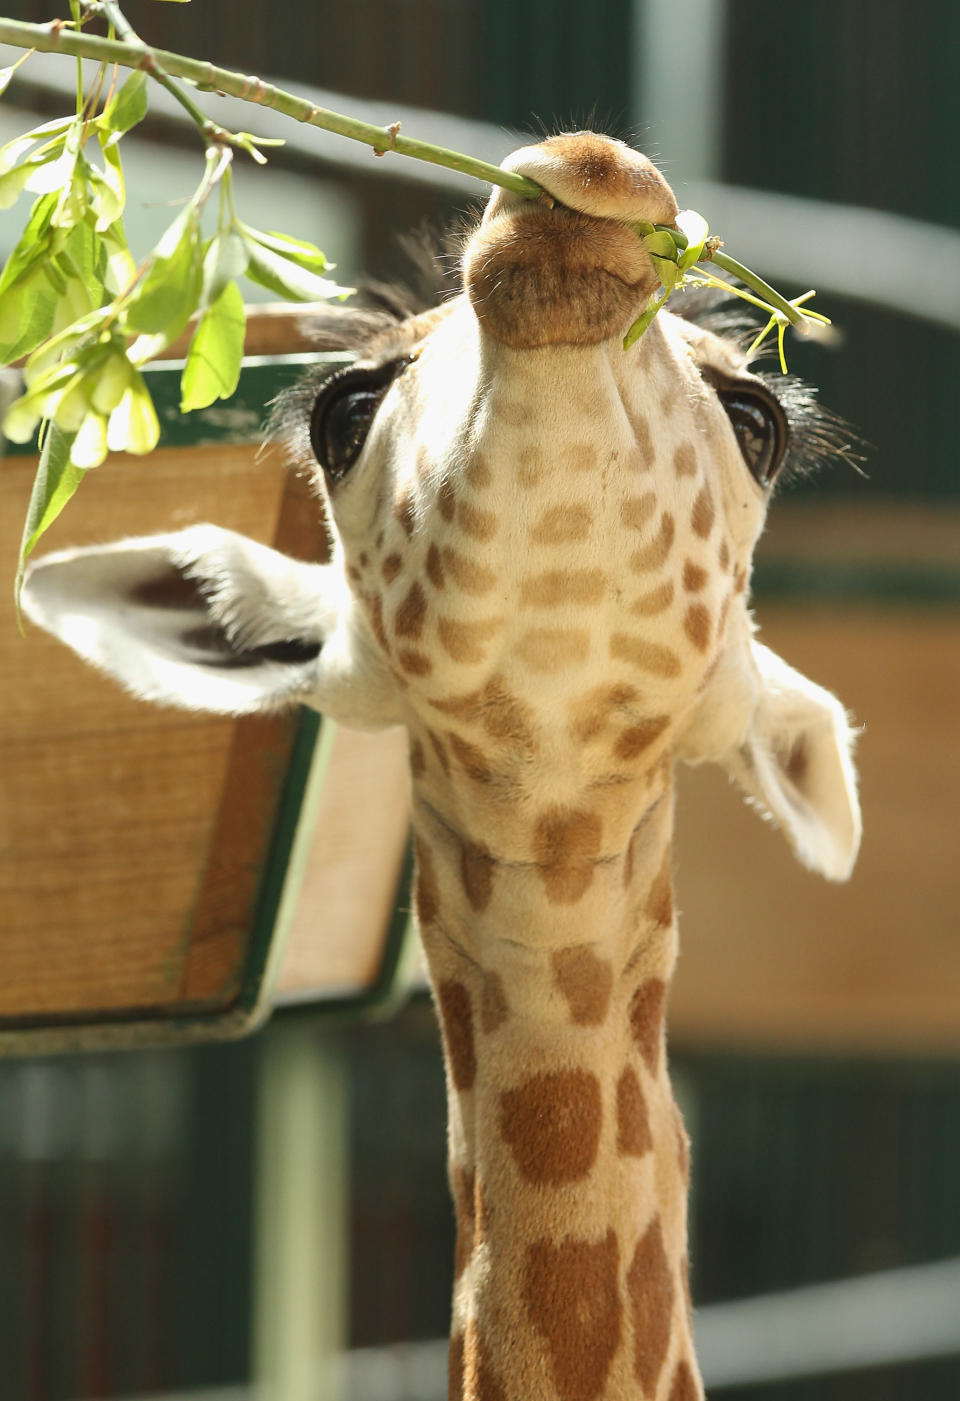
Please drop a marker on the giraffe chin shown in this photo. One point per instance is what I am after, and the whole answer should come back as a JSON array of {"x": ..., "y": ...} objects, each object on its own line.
[{"x": 537, "y": 277}]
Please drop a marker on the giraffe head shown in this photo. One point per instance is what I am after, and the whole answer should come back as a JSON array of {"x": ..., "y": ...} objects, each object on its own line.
[{"x": 541, "y": 545}]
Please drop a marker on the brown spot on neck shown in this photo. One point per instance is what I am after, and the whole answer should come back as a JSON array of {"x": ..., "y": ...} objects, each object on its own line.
[
  {"x": 586, "y": 981},
  {"x": 572, "y": 1297},
  {"x": 456, "y": 1019},
  {"x": 646, "y": 1020},
  {"x": 634, "y": 1138},
  {"x": 566, "y": 844},
  {"x": 650, "y": 1290},
  {"x": 552, "y": 1125}
]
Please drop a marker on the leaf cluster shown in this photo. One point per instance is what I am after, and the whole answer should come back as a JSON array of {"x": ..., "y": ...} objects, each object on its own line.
[{"x": 86, "y": 317}]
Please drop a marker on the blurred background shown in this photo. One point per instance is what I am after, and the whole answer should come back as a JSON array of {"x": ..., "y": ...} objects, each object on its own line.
[{"x": 202, "y": 1220}]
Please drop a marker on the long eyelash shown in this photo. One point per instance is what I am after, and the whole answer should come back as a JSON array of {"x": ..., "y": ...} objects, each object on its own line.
[{"x": 818, "y": 435}]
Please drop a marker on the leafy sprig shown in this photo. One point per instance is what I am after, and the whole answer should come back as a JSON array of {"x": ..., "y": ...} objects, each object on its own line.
[{"x": 678, "y": 253}]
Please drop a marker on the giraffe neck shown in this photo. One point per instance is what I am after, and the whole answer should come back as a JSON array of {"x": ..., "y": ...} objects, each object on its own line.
[{"x": 568, "y": 1158}]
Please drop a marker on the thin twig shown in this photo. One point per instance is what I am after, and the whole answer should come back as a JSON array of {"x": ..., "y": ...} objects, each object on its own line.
[{"x": 54, "y": 37}]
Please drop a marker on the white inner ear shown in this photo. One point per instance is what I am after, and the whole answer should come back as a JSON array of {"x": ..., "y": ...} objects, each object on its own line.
[
  {"x": 796, "y": 763},
  {"x": 202, "y": 618}
]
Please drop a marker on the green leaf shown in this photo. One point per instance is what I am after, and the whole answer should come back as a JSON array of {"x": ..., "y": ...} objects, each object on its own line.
[
  {"x": 35, "y": 242},
  {"x": 12, "y": 183},
  {"x": 56, "y": 481},
  {"x": 169, "y": 293},
  {"x": 660, "y": 244},
  {"x": 133, "y": 426},
  {"x": 108, "y": 190},
  {"x": 225, "y": 259},
  {"x": 287, "y": 279},
  {"x": 305, "y": 255},
  {"x": 27, "y": 314},
  {"x": 126, "y": 108},
  {"x": 90, "y": 445},
  {"x": 13, "y": 150},
  {"x": 120, "y": 269},
  {"x": 5, "y": 75},
  {"x": 642, "y": 322},
  {"x": 216, "y": 350}
]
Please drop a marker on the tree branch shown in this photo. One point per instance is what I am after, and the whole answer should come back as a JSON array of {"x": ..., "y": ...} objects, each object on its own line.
[{"x": 58, "y": 37}]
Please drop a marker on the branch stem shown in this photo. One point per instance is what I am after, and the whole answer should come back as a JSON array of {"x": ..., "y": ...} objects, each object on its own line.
[{"x": 53, "y": 37}]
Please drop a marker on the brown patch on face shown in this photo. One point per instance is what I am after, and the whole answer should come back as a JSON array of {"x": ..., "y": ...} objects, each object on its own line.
[
  {"x": 659, "y": 906},
  {"x": 479, "y": 525},
  {"x": 472, "y": 577},
  {"x": 641, "y": 432},
  {"x": 561, "y": 525},
  {"x": 724, "y": 555},
  {"x": 636, "y": 511},
  {"x": 353, "y": 574},
  {"x": 586, "y": 981},
  {"x": 558, "y": 586},
  {"x": 477, "y": 472},
  {"x": 654, "y": 555},
  {"x": 476, "y": 874},
  {"x": 456, "y": 1018},
  {"x": 464, "y": 642},
  {"x": 404, "y": 511},
  {"x": 685, "y": 460},
  {"x": 566, "y": 844},
  {"x": 480, "y": 1381},
  {"x": 499, "y": 712},
  {"x": 494, "y": 1009},
  {"x": 516, "y": 414},
  {"x": 391, "y": 567},
  {"x": 655, "y": 601},
  {"x": 579, "y": 457},
  {"x": 704, "y": 512},
  {"x": 634, "y": 1138},
  {"x": 471, "y": 759},
  {"x": 684, "y": 1386},
  {"x": 375, "y": 613},
  {"x": 650, "y": 1290},
  {"x": 591, "y": 714},
  {"x": 418, "y": 760},
  {"x": 427, "y": 897},
  {"x": 552, "y": 1125},
  {"x": 697, "y": 624},
  {"x": 415, "y": 663},
  {"x": 634, "y": 740},
  {"x": 440, "y": 751},
  {"x": 435, "y": 567},
  {"x": 530, "y": 467},
  {"x": 408, "y": 621},
  {"x": 646, "y": 1019},
  {"x": 446, "y": 499},
  {"x": 550, "y": 650},
  {"x": 570, "y": 1292},
  {"x": 740, "y": 580},
  {"x": 647, "y": 655},
  {"x": 694, "y": 576}
]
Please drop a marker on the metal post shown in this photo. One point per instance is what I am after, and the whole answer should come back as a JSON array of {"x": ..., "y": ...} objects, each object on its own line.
[{"x": 302, "y": 1200}]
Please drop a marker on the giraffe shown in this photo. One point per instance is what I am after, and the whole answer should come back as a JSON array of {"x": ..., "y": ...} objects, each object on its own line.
[{"x": 541, "y": 551}]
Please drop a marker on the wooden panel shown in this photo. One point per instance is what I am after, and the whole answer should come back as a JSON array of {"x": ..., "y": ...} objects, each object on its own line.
[
  {"x": 335, "y": 943},
  {"x": 131, "y": 836},
  {"x": 774, "y": 957}
]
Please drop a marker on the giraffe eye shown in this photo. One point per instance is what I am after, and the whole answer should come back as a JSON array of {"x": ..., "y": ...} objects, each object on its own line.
[
  {"x": 343, "y": 412},
  {"x": 760, "y": 426}
]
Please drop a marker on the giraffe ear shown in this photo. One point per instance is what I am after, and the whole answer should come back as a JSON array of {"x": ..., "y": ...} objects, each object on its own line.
[
  {"x": 202, "y": 618},
  {"x": 796, "y": 764}
]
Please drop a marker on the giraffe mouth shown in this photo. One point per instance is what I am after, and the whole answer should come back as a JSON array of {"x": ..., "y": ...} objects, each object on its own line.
[{"x": 537, "y": 275}]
